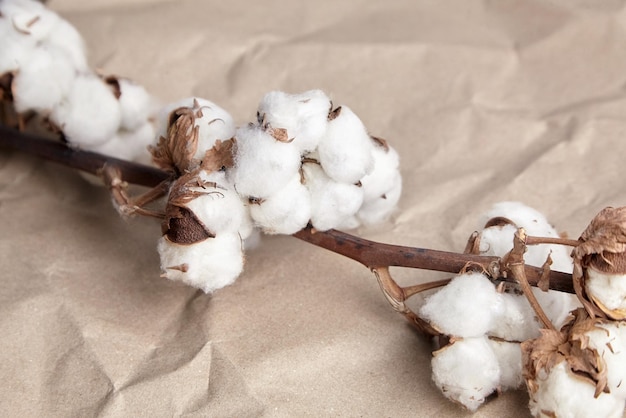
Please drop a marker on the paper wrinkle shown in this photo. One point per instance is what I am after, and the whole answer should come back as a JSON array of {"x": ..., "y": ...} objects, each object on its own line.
[{"x": 484, "y": 101}]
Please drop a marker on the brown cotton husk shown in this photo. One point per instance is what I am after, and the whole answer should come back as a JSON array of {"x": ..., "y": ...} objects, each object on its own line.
[
  {"x": 6, "y": 82},
  {"x": 174, "y": 153},
  {"x": 602, "y": 248},
  {"x": 180, "y": 225},
  {"x": 570, "y": 345}
]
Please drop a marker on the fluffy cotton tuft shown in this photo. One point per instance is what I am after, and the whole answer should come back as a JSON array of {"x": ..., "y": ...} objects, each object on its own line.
[
  {"x": 286, "y": 211},
  {"x": 263, "y": 165},
  {"x": 610, "y": 342},
  {"x": 136, "y": 105},
  {"x": 509, "y": 356},
  {"x": 208, "y": 265},
  {"x": 465, "y": 307},
  {"x": 345, "y": 151},
  {"x": 304, "y": 116},
  {"x": 563, "y": 394},
  {"x": 466, "y": 371},
  {"x": 332, "y": 203},
  {"x": 218, "y": 207},
  {"x": 90, "y": 115},
  {"x": 44, "y": 79},
  {"x": 129, "y": 145}
]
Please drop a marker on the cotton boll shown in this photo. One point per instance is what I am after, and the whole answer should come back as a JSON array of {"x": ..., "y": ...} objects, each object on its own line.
[
  {"x": 346, "y": 149},
  {"x": 136, "y": 105},
  {"x": 304, "y": 116},
  {"x": 509, "y": 356},
  {"x": 515, "y": 319},
  {"x": 313, "y": 107},
  {"x": 379, "y": 209},
  {"x": 332, "y": 203},
  {"x": 90, "y": 115},
  {"x": 208, "y": 265},
  {"x": 277, "y": 109},
  {"x": 263, "y": 165},
  {"x": 285, "y": 212},
  {"x": 384, "y": 175},
  {"x": 466, "y": 371},
  {"x": 464, "y": 307},
  {"x": 610, "y": 343},
  {"x": 129, "y": 145},
  {"x": 563, "y": 394},
  {"x": 43, "y": 81}
]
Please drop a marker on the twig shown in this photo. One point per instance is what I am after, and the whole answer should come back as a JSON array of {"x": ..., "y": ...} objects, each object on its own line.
[{"x": 371, "y": 254}]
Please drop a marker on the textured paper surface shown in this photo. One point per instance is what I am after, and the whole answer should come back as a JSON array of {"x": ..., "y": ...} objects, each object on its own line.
[{"x": 484, "y": 100}]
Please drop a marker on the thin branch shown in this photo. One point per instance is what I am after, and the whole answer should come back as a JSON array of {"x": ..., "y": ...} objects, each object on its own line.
[{"x": 371, "y": 254}]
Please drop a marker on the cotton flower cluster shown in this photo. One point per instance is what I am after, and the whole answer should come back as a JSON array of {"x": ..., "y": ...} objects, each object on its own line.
[
  {"x": 485, "y": 324},
  {"x": 44, "y": 58},
  {"x": 581, "y": 369},
  {"x": 306, "y": 162},
  {"x": 301, "y": 162}
]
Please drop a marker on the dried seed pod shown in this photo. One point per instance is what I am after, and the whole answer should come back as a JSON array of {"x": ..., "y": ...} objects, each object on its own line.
[
  {"x": 600, "y": 265},
  {"x": 566, "y": 374}
]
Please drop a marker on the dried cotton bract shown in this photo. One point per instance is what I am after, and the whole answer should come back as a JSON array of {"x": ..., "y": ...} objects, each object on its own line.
[
  {"x": 600, "y": 265},
  {"x": 578, "y": 371}
]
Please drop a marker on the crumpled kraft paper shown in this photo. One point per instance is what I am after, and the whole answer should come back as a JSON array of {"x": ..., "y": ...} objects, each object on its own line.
[{"x": 485, "y": 101}]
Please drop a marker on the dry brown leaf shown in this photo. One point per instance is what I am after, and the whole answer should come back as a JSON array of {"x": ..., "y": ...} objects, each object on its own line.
[
  {"x": 603, "y": 248},
  {"x": 220, "y": 157},
  {"x": 174, "y": 153},
  {"x": 571, "y": 345}
]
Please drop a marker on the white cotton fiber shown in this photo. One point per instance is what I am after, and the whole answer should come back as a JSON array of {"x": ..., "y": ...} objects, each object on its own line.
[
  {"x": 384, "y": 175},
  {"x": 286, "y": 211},
  {"x": 65, "y": 37},
  {"x": 379, "y": 209},
  {"x": 607, "y": 289},
  {"x": 466, "y": 371},
  {"x": 464, "y": 307},
  {"x": 136, "y": 105},
  {"x": 610, "y": 342},
  {"x": 304, "y": 116},
  {"x": 208, "y": 265},
  {"x": 30, "y": 18},
  {"x": 263, "y": 165},
  {"x": 43, "y": 81},
  {"x": 515, "y": 320},
  {"x": 509, "y": 356},
  {"x": 90, "y": 115},
  {"x": 332, "y": 203},
  {"x": 219, "y": 208},
  {"x": 562, "y": 394},
  {"x": 346, "y": 150},
  {"x": 129, "y": 145}
]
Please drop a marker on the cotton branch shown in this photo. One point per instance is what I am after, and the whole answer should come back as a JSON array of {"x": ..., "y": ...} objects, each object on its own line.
[{"x": 373, "y": 255}]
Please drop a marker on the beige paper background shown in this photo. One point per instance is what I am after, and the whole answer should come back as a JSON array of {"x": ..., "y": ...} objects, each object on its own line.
[{"x": 484, "y": 100}]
